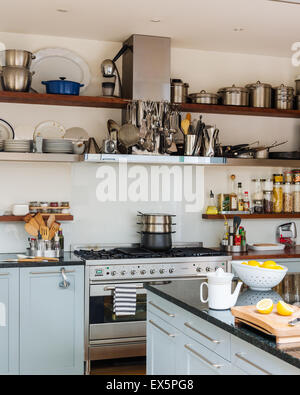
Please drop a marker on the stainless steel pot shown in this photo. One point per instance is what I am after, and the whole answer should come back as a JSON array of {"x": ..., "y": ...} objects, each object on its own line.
[
  {"x": 284, "y": 91},
  {"x": 156, "y": 241},
  {"x": 16, "y": 79},
  {"x": 260, "y": 95},
  {"x": 234, "y": 96},
  {"x": 284, "y": 104},
  {"x": 204, "y": 98},
  {"x": 16, "y": 57},
  {"x": 159, "y": 219},
  {"x": 179, "y": 91}
]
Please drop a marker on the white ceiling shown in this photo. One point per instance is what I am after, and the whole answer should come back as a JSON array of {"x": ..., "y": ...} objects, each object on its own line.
[{"x": 270, "y": 28}]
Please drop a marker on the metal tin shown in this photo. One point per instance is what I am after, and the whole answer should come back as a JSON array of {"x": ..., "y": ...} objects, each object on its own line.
[
  {"x": 260, "y": 95},
  {"x": 179, "y": 91},
  {"x": 234, "y": 96},
  {"x": 204, "y": 97}
]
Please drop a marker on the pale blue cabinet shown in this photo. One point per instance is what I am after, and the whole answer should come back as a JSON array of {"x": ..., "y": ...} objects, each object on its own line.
[
  {"x": 51, "y": 320},
  {"x": 9, "y": 321}
]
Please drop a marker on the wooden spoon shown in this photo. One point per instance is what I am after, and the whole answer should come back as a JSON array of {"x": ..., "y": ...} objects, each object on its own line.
[
  {"x": 185, "y": 124},
  {"x": 44, "y": 231}
]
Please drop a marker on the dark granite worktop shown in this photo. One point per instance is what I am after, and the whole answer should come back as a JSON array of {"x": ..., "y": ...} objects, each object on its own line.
[
  {"x": 69, "y": 259},
  {"x": 186, "y": 294}
]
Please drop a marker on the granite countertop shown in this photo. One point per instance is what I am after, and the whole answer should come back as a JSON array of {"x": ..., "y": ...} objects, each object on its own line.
[
  {"x": 69, "y": 259},
  {"x": 185, "y": 294},
  {"x": 287, "y": 253}
]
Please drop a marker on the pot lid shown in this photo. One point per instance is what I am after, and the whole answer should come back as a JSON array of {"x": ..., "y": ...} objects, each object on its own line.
[
  {"x": 219, "y": 277},
  {"x": 62, "y": 79},
  {"x": 284, "y": 88},
  {"x": 233, "y": 89},
  {"x": 258, "y": 84},
  {"x": 203, "y": 94}
]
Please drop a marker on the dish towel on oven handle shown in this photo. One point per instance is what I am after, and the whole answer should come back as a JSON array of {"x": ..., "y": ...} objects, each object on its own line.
[{"x": 125, "y": 300}]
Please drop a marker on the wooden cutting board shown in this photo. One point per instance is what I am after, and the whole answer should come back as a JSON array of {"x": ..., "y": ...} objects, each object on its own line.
[{"x": 271, "y": 324}]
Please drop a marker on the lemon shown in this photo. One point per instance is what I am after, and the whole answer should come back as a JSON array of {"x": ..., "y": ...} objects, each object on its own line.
[
  {"x": 265, "y": 306},
  {"x": 278, "y": 268},
  {"x": 254, "y": 263},
  {"x": 269, "y": 265},
  {"x": 284, "y": 309},
  {"x": 244, "y": 263}
]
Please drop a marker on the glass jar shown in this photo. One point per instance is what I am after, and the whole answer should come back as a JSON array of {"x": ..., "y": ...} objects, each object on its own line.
[
  {"x": 297, "y": 198},
  {"x": 288, "y": 201},
  {"x": 54, "y": 208},
  {"x": 296, "y": 176},
  {"x": 278, "y": 178},
  {"x": 34, "y": 207},
  {"x": 268, "y": 202},
  {"x": 258, "y": 206},
  {"x": 258, "y": 194},
  {"x": 268, "y": 187},
  {"x": 288, "y": 176},
  {"x": 277, "y": 198},
  {"x": 44, "y": 207}
]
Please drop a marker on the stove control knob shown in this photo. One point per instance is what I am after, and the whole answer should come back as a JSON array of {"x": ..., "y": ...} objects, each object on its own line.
[
  {"x": 208, "y": 269},
  {"x": 133, "y": 272},
  {"x": 199, "y": 269},
  {"x": 143, "y": 272},
  {"x": 113, "y": 273},
  {"x": 172, "y": 270},
  {"x": 123, "y": 272},
  {"x": 152, "y": 271},
  {"x": 161, "y": 271}
]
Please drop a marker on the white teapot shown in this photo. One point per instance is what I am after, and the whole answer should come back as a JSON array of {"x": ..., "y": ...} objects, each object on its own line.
[{"x": 219, "y": 290}]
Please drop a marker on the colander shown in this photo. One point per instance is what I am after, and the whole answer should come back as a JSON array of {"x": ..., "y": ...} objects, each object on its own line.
[{"x": 259, "y": 279}]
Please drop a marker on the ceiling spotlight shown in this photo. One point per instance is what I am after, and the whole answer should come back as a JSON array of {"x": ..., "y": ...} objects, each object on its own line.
[
  {"x": 238, "y": 29},
  {"x": 155, "y": 20},
  {"x": 62, "y": 10}
]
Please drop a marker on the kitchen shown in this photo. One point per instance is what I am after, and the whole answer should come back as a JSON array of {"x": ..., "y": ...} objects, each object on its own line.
[{"x": 210, "y": 64}]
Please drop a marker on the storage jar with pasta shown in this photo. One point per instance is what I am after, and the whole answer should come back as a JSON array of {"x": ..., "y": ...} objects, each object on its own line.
[{"x": 278, "y": 198}]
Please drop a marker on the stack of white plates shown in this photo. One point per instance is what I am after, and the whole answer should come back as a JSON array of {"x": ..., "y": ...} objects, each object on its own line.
[
  {"x": 1, "y": 145},
  {"x": 58, "y": 146},
  {"x": 17, "y": 145}
]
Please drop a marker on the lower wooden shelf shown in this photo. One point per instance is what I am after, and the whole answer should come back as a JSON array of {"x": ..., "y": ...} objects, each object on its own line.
[
  {"x": 20, "y": 218},
  {"x": 250, "y": 216}
]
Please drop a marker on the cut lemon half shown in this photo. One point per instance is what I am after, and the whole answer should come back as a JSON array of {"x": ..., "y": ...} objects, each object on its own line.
[
  {"x": 254, "y": 263},
  {"x": 265, "y": 306},
  {"x": 269, "y": 265},
  {"x": 284, "y": 309}
]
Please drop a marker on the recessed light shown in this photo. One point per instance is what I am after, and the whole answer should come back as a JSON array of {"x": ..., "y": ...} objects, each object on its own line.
[
  {"x": 62, "y": 10},
  {"x": 155, "y": 20},
  {"x": 238, "y": 29}
]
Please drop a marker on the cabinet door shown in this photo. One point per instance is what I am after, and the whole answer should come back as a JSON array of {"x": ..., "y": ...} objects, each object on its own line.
[
  {"x": 162, "y": 341},
  {"x": 51, "y": 321},
  {"x": 9, "y": 321}
]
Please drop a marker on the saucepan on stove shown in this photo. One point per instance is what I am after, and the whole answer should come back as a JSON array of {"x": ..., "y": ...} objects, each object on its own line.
[{"x": 163, "y": 219}]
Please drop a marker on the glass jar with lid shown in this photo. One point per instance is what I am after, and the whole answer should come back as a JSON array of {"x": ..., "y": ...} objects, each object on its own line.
[
  {"x": 296, "y": 176},
  {"x": 297, "y": 197},
  {"x": 278, "y": 178},
  {"x": 288, "y": 176},
  {"x": 288, "y": 200},
  {"x": 277, "y": 198},
  {"x": 258, "y": 206},
  {"x": 258, "y": 194},
  {"x": 268, "y": 202},
  {"x": 268, "y": 185}
]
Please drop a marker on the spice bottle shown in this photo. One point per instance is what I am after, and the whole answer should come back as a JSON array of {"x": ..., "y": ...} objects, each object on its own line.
[
  {"x": 246, "y": 202},
  {"x": 240, "y": 198},
  {"x": 233, "y": 196},
  {"x": 268, "y": 202}
]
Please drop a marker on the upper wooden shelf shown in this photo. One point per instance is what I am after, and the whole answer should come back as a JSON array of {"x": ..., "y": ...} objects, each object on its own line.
[
  {"x": 62, "y": 100},
  {"x": 237, "y": 110},
  {"x": 20, "y": 218},
  {"x": 114, "y": 102},
  {"x": 250, "y": 216}
]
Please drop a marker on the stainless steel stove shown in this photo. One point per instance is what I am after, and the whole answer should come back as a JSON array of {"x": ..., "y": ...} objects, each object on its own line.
[{"x": 109, "y": 336}]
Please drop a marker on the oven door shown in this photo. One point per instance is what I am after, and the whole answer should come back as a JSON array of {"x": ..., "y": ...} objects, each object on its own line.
[{"x": 105, "y": 325}]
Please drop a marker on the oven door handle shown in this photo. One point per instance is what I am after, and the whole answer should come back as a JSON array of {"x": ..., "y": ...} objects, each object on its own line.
[{"x": 113, "y": 288}]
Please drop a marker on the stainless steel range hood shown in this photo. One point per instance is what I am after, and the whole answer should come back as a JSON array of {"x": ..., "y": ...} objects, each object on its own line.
[{"x": 147, "y": 68}]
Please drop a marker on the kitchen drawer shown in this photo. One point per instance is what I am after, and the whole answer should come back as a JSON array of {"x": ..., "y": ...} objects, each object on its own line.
[
  {"x": 209, "y": 335},
  {"x": 165, "y": 310},
  {"x": 198, "y": 360},
  {"x": 257, "y": 362}
]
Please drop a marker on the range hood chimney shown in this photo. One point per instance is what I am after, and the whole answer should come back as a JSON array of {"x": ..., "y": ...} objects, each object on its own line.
[{"x": 146, "y": 68}]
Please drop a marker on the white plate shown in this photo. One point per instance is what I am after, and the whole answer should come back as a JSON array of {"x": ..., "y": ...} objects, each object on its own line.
[
  {"x": 276, "y": 247},
  {"x": 6, "y": 130},
  {"x": 76, "y": 134},
  {"x": 53, "y": 63},
  {"x": 49, "y": 130}
]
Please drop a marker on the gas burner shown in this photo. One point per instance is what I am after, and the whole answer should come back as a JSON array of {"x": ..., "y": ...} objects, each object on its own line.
[{"x": 140, "y": 253}]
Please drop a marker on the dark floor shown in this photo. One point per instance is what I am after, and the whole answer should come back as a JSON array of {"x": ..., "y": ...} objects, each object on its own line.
[{"x": 127, "y": 367}]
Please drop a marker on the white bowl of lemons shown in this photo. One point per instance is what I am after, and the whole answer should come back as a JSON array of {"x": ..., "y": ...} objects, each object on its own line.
[{"x": 259, "y": 276}]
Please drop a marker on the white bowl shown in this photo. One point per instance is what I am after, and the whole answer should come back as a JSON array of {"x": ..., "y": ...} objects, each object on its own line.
[{"x": 259, "y": 279}]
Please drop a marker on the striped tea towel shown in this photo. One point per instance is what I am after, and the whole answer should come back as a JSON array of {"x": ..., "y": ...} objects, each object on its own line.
[{"x": 125, "y": 300}]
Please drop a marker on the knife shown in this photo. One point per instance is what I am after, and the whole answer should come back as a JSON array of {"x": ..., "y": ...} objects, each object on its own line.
[{"x": 294, "y": 322}]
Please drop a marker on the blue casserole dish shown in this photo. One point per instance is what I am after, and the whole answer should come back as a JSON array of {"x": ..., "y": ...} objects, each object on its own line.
[{"x": 62, "y": 87}]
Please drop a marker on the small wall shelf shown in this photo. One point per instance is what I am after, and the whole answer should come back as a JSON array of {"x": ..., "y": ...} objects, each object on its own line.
[
  {"x": 17, "y": 218},
  {"x": 251, "y": 216}
]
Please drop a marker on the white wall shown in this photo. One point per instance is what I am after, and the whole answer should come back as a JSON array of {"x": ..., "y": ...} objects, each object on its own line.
[{"x": 115, "y": 222}]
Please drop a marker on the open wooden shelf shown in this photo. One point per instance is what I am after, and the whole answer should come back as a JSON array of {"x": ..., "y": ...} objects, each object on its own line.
[
  {"x": 19, "y": 218},
  {"x": 62, "y": 100},
  {"x": 250, "y": 216},
  {"x": 115, "y": 102},
  {"x": 238, "y": 110}
]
